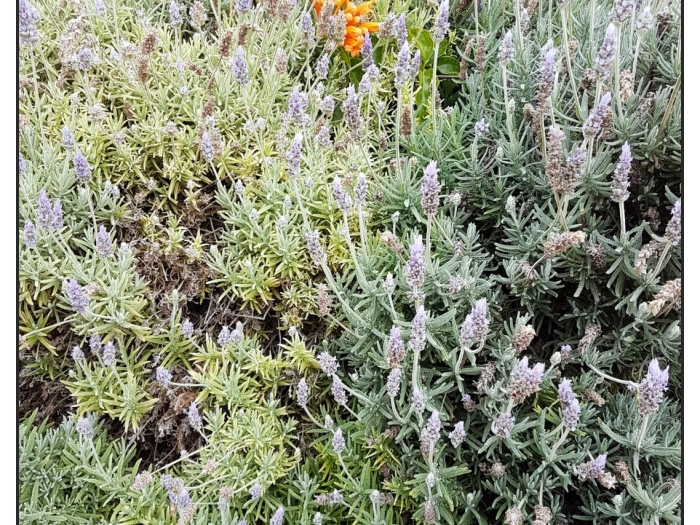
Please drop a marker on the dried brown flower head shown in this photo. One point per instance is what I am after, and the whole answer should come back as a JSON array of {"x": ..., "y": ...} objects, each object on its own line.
[{"x": 562, "y": 242}]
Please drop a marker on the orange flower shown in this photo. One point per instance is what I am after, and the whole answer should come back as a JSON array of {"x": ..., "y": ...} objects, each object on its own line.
[{"x": 357, "y": 24}]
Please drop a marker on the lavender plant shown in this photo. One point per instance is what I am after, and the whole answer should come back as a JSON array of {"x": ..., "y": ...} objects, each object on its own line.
[{"x": 326, "y": 262}]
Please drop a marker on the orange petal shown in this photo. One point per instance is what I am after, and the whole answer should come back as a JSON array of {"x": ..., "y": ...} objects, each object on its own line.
[{"x": 372, "y": 27}]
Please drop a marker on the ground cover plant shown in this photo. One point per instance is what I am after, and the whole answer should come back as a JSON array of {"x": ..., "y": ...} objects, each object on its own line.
[{"x": 335, "y": 262}]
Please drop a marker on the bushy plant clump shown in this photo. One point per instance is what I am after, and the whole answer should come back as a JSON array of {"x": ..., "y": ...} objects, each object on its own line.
[{"x": 326, "y": 262}]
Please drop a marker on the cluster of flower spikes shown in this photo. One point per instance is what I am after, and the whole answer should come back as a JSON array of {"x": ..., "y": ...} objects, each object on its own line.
[{"x": 357, "y": 23}]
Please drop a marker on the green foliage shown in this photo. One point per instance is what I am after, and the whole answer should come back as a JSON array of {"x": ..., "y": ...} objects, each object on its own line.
[{"x": 67, "y": 479}]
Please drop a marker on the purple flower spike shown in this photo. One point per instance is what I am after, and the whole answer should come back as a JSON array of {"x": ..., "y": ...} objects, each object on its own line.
[
  {"x": 29, "y": 234},
  {"x": 430, "y": 190},
  {"x": 294, "y": 156},
  {"x": 395, "y": 351},
  {"x": 503, "y": 426},
  {"x": 342, "y": 198},
  {"x": 322, "y": 66},
  {"x": 480, "y": 321},
  {"x": 415, "y": 270},
  {"x": 44, "y": 214},
  {"x": 652, "y": 388},
  {"x": 28, "y": 19},
  {"x": 366, "y": 52},
  {"x": 595, "y": 118},
  {"x": 57, "y": 215},
  {"x": 67, "y": 139},
  {"x": 418, "y": 334},
  {"x": 175, "y": 14},
  {"x": 193, "y": 417},
  {"x": 506, "y": 51},
  {"x": 621, "y": 181},
  {"x": 524, "y": 380},
  {"x": 239, "y": 67},
  {"x": 401, "y": 71},
  {"x": 109, "y": 354},
  {"x": 84, "y": 428},
  {"x": 442, "y": 23},
  {"x": 571, "y": 410},
  {"x": 606, "y": 54},
  {"x": 103, "y": 244},
  {"x": 78, "y": 299},
  {"x": 163, "y": 376},
  {"x": 81, "y": 166}
]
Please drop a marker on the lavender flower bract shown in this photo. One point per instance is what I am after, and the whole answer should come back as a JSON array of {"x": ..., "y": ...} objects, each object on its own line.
[
  {"x": 302, "y": 392},
  {"x": 57, "y": 215},
  {"x": 294, "y": 156},
  {"x": 342, "y": 199},
  {"x": 621, "y": 183},
  {"x": 175, "y": 15},
  {"x": 524, "y": 380},
  {"x": 81, "y": 166},
  {"x": 28, "y": 18},
  {"x": 103, "y": 244},
  {"x": 503, "y": 425},
  {"x": 571, "y": 410},
  {"x": 458, "y": 434},
  {"x": 366, "y": 53},
  {"x": 239, "y": 67},
  {"x": 652, "y": 388},
  {"x": 109, "y": 354},
  {"x": 593, "y": 468},
  {"x": 402, "y": 66},
  {"x": 29, "y": 234},
  {"x": 278, "y": 517},
  {"x": 673, "y": 228},
  {"x": 77, "y": 354},
  {"x": 506, "y": 50},
  {"x": 645, "y": 21},
  {"x": 351, "y": 112},
  {"x": 84, "y": 428},
  {"x": 163, "y": 376},
  {"x": 328, "y": 363},
  {"x": 313, "y": 244},
  {"x": 417, "y": 401},
  {"x": 430, "y": 190},
  {"x": 482, "y": 128},
  {"x": 415, "y": 270},
  {"x": 442, "y": 23},
  {"x": 44, "y": 213},
  {"x": 433, "y": 426},
  {"x": 399, "y": 30},
  {"x": 207, "y": 147},
  {"x": 395, "y": 351},
  {"x": 338, "y": 391},
  {"x": 361, "y": 189},
  {"x": 393, "y": 383},
  {"x": 78, "y": 298},
  {"x": 255, "y": 491},
  {"x": 322, "y": 66},
  {"x": 418, "y": 334},
  {"x": 596, "y": 117},
  {"x": 606, "y": 54},
  {"x": 193, "y": 417},
  {"x": 243, "y": 5},
  {"x": 67, "y": 140},
  {"x": 338, "y": 441},
  {"x": 187, "y": 328},
  {"x": 95, "y": 344},
  {"x": 298, "y": 102}
]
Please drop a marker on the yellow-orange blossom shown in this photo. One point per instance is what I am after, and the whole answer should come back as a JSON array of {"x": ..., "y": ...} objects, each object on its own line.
[{"x": 357, "y": 23}]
